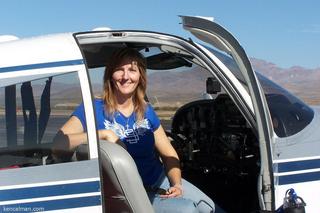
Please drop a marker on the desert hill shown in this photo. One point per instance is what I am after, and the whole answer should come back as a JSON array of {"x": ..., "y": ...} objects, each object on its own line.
[{"x": 302, "y": 82}]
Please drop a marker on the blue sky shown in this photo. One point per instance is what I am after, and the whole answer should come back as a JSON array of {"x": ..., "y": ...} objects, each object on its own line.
[{"x": 284, "y": 32}]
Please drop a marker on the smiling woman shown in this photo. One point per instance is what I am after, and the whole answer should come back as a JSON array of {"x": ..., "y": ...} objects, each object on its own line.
[
  {"x": 125, "y": 81},
  {"x": 123, "y": 116},
  {"x": 126, "y": 77}
]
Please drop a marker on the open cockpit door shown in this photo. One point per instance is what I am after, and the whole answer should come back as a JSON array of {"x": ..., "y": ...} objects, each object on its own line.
[{"x": 221, "y": 40}]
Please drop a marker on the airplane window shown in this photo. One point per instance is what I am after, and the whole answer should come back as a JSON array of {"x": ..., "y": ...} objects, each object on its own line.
[
  {"x": 229, "y": 62},
  {"x": 31, "y": 114},
  {"x": 289, "y": 114}
]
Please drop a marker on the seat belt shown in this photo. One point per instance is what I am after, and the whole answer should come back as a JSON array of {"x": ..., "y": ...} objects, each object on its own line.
[
  {"x": 11, "y": 115},
  {"x": 45, "y": 110},
  {"x": 29, "y": 114}
]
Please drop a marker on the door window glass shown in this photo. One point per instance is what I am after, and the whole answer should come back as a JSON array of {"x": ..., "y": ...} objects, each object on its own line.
[{"x": 31, "y": 113}]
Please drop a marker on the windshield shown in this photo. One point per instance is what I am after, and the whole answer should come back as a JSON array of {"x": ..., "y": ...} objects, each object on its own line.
[{"x": 289, "y": 114}]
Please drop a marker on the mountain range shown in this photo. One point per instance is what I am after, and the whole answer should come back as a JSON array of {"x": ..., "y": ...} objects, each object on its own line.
[
  {"x": 169, "y": 87},
  {"x": 300, "y": 81}
]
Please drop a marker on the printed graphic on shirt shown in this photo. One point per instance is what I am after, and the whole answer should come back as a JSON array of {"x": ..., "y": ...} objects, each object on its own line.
[
  {"x": 115, "y": 127},
  {"x": 130, "y": 134},
  {"x": 142, "y": 126}
]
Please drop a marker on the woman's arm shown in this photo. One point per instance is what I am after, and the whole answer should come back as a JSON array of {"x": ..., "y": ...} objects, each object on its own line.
[
  {"x": 68, "y": 137},
  {"x": 72, "y": 135},
  {"x": 171, "y": 162}
]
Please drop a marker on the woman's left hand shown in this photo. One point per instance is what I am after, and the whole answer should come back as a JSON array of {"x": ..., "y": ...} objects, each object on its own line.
[{"x": 173, "y": 191}]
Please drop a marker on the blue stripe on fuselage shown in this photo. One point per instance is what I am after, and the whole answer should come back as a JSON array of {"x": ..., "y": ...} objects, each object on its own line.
[
  {"x": 298, "y": 165},
  {"x": 41, "y": 65},
  {"x": 299, "y": 178},
  {"x": 47, "y": 191}
]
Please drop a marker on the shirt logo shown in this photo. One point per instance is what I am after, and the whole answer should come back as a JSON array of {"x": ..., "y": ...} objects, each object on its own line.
[{"x": 131, "y": 135}]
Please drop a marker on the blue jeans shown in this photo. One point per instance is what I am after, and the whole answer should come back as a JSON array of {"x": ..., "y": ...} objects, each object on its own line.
[{"x": 193, "y": 200}]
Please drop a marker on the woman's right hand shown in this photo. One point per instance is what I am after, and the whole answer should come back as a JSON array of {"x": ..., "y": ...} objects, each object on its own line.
[{"x": 108, "y": 135}]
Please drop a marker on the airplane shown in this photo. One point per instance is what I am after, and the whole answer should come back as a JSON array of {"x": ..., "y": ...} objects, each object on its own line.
[{"x": 245, "y": 141}]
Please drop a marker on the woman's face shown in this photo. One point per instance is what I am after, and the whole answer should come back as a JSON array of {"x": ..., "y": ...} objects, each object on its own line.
[{"x": 126, "y": 77}]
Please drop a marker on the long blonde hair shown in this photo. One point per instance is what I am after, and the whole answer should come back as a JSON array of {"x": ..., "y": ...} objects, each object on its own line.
[{"x": 109, "y": 88}]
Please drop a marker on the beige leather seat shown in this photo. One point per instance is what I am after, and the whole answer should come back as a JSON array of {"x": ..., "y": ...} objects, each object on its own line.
[{"x": 123, "y": 187}]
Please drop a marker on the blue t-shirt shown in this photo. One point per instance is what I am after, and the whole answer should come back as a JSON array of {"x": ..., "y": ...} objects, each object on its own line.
[{"x": 137, "y": 136}]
